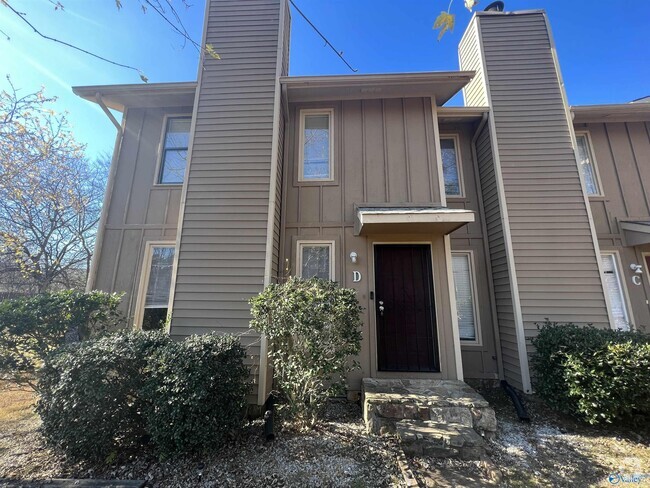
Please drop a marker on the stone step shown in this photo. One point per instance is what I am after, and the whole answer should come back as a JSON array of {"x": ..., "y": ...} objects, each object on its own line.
[{"x": 428, "y": 438}]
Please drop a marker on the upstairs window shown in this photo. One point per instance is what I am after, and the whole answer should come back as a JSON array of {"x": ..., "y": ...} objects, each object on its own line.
[
  {"x": 316, "y": 259},
  {"x": 316, "y": 145},
  {"x": 174, "y": 150},
  {"x": 587, "y": 165},
  {"x": 450, "y": 167}
]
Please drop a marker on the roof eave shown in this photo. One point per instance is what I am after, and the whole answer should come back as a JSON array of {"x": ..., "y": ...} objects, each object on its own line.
[{"x": 119, "y": 97}]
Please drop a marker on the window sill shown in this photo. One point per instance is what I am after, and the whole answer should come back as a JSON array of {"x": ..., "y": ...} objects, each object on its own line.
[
  {"x": 596, "y": 198},
  {"x": 168, "y": 185}
]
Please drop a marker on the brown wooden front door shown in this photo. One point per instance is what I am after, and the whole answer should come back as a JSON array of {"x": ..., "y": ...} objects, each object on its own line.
[{"x": 404, "y": 307}]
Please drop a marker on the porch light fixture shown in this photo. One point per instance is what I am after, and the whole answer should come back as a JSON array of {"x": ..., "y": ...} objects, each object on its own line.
[
  {"x": 353, "y": 257},
  {"x": 637, "y": 268}
]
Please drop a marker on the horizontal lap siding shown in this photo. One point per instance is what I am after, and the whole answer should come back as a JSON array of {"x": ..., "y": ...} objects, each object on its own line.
[
  {"x": 555, "y": 257},
  {"x": 221, "y": 260},
  {"x": 474, "y": 92},
  {"x": 498, "y": 258}
]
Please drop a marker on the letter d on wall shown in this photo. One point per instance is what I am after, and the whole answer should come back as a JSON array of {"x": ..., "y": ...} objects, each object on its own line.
[{"x": 356, "y": 276}]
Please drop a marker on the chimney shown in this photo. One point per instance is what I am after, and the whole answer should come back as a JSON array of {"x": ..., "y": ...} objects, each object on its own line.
[
  {"x": 225, "y": 248},
  {"x": 543, "y": 246}
]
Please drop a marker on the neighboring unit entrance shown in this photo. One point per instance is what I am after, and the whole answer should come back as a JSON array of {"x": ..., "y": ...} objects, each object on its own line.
[{"x": 406, "y": 325}]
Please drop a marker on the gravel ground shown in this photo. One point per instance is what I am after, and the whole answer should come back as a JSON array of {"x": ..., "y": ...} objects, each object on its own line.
[
  {"x": 336, "y": 454},
  {"x": 552, "y": 450}
]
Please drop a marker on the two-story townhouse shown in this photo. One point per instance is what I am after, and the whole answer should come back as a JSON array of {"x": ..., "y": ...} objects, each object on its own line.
[{"x": 460, "y": 228}]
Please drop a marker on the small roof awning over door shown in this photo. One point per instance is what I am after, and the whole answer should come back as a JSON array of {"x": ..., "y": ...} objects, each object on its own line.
[
  {"x": 636, "y": 232},
  {"x": 409, "y": 219}
]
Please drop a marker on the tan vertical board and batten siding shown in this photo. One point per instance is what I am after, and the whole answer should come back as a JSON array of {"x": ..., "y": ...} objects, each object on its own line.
[
  {"x": 621, "y": 152},
  {"x": 554, "y": 253},
  {"x": 138, "y": 210},
  {"x": 222, "y": 246},
  {"x": 479, "y": 360},
  {"x": 384, "y": 152}
]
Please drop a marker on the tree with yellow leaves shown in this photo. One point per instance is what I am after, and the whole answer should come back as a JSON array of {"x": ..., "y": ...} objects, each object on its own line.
[{"x": 50, "y": 197}]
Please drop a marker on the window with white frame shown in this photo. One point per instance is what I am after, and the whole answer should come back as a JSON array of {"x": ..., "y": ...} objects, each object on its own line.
[
  {"x": 464, "y": 284},
  {"x": 174, "y": 150},
  {"x": 316, "y": 259},
  {"x": 157, "y": 275},
  {"x": 316, "y": 145},
  {"x": 614, "y": 290},
  {"x": 587, "y": 165},
  {"x": 450, "y": 167}
]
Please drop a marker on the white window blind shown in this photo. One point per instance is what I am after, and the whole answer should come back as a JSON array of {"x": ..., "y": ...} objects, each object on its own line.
[
  {"x": 316, "y": 261},
  {"x": 316, "y": 149},
  {"x": 586, "y": 165},
  {"x": 614, "y": 291},
  {"x": 160, "y": 277},
  {"x": 464, "y": 285},
  {"x": 450, "y": 166}
]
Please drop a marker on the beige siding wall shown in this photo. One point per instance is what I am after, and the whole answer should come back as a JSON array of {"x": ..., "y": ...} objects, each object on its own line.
[
  {"x": 622, "y": 155},
  {"x": 479, "y": 361},
  {"x": 221, "y": 260},
  {"x": 554, "y": 269},
  {"x": 503, "y": 292},
  {"x": 139, "y": 211},
  {"x": 474, "y": 93},
  {"x": 384, "y": 152}
]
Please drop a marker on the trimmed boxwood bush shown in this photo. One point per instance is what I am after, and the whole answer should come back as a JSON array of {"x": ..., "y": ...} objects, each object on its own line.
[
  {"x": 103, "y": 398},
  {"x": 596, "y": 375},
  {"x": 195, "y": 393},
  {"x": 314, "y": 330}
]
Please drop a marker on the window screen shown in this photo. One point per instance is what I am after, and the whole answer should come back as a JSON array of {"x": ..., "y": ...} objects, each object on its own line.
[
  {"x": 160, "y": 280},
  {"x": 450, "y": 167},
  {"x": 463, "y": 283},
  {"x": 586, "y": 165},
  {"x": 174, "y": 157},
  {"x": 316, "y": 149},
  {"x": 316, "y": 261},
  {"x": 615, "y": 292}
]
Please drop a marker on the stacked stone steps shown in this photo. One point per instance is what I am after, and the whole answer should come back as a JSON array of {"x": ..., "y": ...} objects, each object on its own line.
[
  {"x": 445, "y": 418},
  {"x": 427, "y": 438}
]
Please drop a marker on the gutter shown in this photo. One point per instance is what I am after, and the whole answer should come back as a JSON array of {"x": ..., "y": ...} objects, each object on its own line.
[
  {"x": 486, "y": 248},
  {"x": 108, "y": 192}
]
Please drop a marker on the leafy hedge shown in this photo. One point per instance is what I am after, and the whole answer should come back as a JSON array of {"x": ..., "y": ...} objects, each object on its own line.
[
  {"x": 599, "y": 376},
  {"x": 90, "y": 402},
  {"x": 195, "y": 393},
  {"x": 314, "y": 329},
  {"x": 33, "y": 327},
  {"x": 103, "y": 397}
]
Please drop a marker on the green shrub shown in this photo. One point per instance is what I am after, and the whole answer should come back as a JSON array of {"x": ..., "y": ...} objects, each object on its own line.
[
  {"x": 90, "y": 402},
  {"x": 105, "y": 397},
  {"x": 599, "y": 376},
  {"x": 33, "y": 327},
  {"x": 196, "y": 393},
  {"x": 313, "y": 327}
]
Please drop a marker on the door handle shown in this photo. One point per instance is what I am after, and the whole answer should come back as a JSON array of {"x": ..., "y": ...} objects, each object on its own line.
[{"x": 381, "y": 308}]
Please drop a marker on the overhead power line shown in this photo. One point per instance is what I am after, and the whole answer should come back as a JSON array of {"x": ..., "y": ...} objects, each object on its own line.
[{"x": 328, "y": 43}]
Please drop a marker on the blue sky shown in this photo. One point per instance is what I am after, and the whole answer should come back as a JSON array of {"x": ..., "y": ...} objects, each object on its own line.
[{"x": 603, "y": 47}]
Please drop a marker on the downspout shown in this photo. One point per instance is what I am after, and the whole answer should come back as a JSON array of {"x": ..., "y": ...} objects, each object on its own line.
[
  {"x": 94, "y": 263},
  {"x": 486, "y": 247}
]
